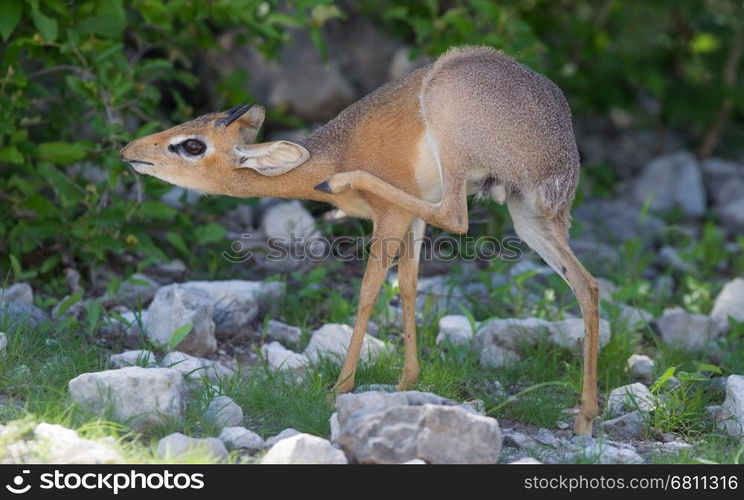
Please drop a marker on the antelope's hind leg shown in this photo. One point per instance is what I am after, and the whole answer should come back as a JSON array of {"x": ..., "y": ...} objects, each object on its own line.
[{"x": 547, "y": 235}]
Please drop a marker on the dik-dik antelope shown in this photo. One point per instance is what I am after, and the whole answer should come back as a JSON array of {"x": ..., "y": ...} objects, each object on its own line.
[{"x": 407, "y": 155}]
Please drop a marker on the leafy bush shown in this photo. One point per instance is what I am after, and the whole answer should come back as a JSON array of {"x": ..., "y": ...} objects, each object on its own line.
[
  {"x": 672, "y": 63},
  {"x": 78, "y": 80}
]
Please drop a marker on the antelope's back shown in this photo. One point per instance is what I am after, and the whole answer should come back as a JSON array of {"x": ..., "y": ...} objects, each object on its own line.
[{"x": 506, "y": 118}]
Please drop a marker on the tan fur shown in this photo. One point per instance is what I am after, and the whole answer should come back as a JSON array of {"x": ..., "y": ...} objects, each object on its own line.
[{"x": 409, "y": 154}]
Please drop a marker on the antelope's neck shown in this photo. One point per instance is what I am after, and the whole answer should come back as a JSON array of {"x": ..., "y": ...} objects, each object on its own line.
[{"x": 296, "y": 184}]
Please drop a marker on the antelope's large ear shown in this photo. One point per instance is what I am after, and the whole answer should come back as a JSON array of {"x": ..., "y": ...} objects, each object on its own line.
[
  {"x": 251, "y": 122},
  {"x": 272, "y": 158}
]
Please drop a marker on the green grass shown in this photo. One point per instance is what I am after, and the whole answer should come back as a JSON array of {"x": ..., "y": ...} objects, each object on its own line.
[
  {"x": 542, "y": 389},
  {"x": 710, "y": 448}
]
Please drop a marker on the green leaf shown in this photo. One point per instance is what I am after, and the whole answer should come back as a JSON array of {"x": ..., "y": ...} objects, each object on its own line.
[
  {"x": 109, "y": 20},
  {"x": 433, "y": 6},
  {"x": 703, "y": 43},
  {"x": 15, "y": 265},
  {"x": 157, "y": 210},
  {"x": 669, "y": 373},
  {"x": 316, "y": 36},
  {"x": 176, "y": 240},
  {"x": 323, "y": 13},
  {"x": 210, "y": 233},
  {"x": 524, "y": 276},
  {"x": 138, "y": 282},
  {"x": 691, "y": 377},
  {"x": 10, "y": 154},
  {"x": 399, "y": 12},
  {"x": 179, "y": 334},
  {"x": 94, "y": 309},
  {"x": 61, "y": 152},
  {"x": 707, "y": 367},
  {"x": 12, "y": 11},
  {"x": 18, "y": 273},
  {"x": 46, "y": 25},
  {"x": 49, "y": 264},
  {"x": 155, "y": 13},
  {"x": 69, "y": 302}
]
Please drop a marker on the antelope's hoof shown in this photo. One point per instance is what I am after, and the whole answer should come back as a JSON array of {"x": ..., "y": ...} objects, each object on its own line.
[
  {"x": 337, "y": 184},
  {"x": 325, "y": 187},
  {"x": 331, "y": 398},
  {"x": 406, "y": 383},
  {"x": 343, "y": 385},
  {"x": 583, "y": 425}
]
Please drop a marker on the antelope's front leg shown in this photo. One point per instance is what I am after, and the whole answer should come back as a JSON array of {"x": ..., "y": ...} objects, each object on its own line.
[
  {"x": 450, "y": 214},
  {"x": 408, "y": 268},
  {"x": 389, "y": 229}
]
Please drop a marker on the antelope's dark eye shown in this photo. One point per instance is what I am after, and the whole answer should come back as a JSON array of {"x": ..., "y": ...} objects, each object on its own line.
[{"x": 193, "y": 147}]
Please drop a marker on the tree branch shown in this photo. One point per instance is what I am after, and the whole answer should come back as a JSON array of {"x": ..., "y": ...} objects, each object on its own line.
[{"x": 713, "y": 134}]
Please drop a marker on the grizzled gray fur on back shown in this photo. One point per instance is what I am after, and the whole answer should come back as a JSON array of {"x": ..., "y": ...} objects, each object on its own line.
[{"x": 519, "y": 119}]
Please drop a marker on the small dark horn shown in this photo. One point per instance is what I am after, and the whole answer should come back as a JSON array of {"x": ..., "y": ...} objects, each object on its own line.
[
  {"x": 233, "y": 114},
  {"x": 235, "y": 108}
]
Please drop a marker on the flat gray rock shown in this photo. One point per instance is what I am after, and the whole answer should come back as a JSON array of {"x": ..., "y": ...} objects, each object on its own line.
[
  {"x": 175, "y": 306},
  {"x": 688, "y": 331},
  {"x": 629, "y": 398},
  {"x": 139, "y": 397},
  {"x": 236, "y": 304},
  {"x": 240, "y": 438},
  {"x": 730, "y": 417},
  {"x": 176, "y": 445},
  {"x": 616, "y": 221},
  {"x": 569, "y": 334},
  {"x": 17, "y": 314},
  {"x": 18, "y": 293},
  {"x": 605, "y": 453},
  {"x": 280, "y": 358},
  {"x": 284, "y": 333},
  {"x": 456, "y": 329},
  {"x": 54, "y": 444},
  {"x": 729, "y": 303},
  {"x": 286, "y": 433},
  {"x": 672, "y": 181},
  {"x": 142, "y": 358},
  {"x": 332, "y": 341},
  {"x": 346, "y": 404},
  {"x": 628, "y": 426},
  {"x": 641, "y": 366},
  {"x": 224, "y": 412},
  {"x": 197, "y": 369},
  {"x": 732, "y": 216},
  {"x": 304, "y": 449},
  {"x": 433, "y": 433},
  {"x": 136, "y": 291}
]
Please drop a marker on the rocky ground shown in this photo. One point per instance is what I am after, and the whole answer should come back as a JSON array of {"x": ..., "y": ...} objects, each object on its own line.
[{"x": 200, "y": 340}]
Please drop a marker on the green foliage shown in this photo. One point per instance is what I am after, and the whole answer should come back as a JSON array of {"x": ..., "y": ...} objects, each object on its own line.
[
  {"x": 74, "y": 79},
  {"x": 437, "y": 26},
  {"x": 178, "y": 335},
  {"x": 662, "y": 60}
]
